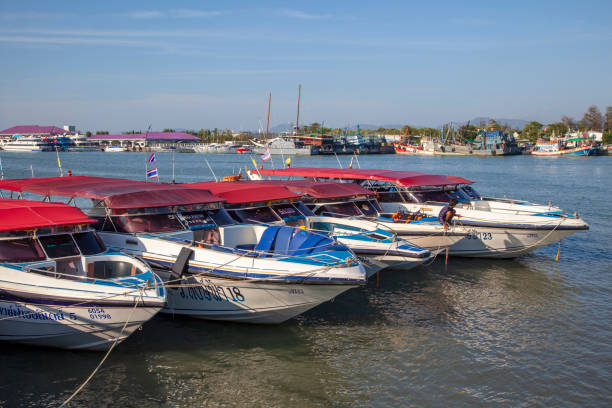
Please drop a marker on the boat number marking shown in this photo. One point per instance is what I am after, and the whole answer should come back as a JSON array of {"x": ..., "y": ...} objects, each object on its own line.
[
  {"x": 98, "y": 314},
  {"x": 296, "y": 291},
  {"x": 209, "y": 291},
  {"x": 473, "y": 234}
]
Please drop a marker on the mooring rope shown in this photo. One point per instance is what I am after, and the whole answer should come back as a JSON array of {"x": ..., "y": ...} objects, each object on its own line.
[{"x": 115, "y": 342}]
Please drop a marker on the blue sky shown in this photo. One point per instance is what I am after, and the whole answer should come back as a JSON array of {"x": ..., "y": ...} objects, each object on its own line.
[{"x": 119, "y": 65}]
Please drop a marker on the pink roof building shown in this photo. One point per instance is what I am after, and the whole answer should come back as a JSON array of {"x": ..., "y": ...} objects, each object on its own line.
[
  {"x": 150, "y": 136},
  {"x": 33, "y": 130}
]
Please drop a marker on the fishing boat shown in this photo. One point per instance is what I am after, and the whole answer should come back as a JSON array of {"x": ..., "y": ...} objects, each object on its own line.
[
  {"x": 61, "y": 287},
  {"x": 404, "y": 148},
  {"x": 282, "y": 146},
  {"x": 215, "y": 269},
  {"x": 376, "y": 248},
  {"x": 572, "y": 147},
  {"x": 243, "y": 149},
  {"x": 491, "y": 232}
]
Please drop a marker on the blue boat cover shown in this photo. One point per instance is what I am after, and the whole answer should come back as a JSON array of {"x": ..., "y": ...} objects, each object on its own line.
[
  {"x": 281, "y": 245},
  {"x": 297, "y": 241},
  {"x": 267, "y": 240},
  {"x": 310, "y": 244}
]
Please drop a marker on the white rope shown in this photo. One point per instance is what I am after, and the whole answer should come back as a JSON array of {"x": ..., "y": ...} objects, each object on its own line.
[{"x": 115, "y": 342}]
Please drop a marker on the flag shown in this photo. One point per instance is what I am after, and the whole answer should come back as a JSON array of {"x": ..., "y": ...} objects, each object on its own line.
[
  {"x": 266, "y": 156},
  {"x": 152, "y": 174},
  {"x": 152, "y": 158},
  {"x": 288, "y": 161},
  {"x": 351, "y": 164}
]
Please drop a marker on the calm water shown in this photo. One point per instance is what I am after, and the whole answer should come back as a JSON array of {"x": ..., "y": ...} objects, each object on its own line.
[{"x": 523, "y": 332}]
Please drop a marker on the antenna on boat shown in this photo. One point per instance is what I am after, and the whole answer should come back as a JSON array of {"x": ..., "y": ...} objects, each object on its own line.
[
  {"x": 32, "y": 170},
  {"x": 211, "y": 170},
  {"x": 268, "y": 124},
  {"x": 297, "y": 121},
  {"x": 1, "y": 170}
]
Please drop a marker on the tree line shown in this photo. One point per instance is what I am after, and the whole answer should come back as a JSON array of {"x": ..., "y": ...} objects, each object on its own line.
[{"x": 592, "y": 120}]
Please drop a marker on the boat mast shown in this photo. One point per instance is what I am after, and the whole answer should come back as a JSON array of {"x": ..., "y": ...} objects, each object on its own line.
[
  {"x": 268, "y": 124},
  {"x": 297, "y": 121}
]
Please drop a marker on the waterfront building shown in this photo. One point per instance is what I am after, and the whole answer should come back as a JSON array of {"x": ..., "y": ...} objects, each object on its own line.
[{"x": 153, "y": 140}]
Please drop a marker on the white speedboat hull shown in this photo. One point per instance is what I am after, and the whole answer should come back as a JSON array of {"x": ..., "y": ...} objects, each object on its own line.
[
  {"x": 86, "y": 327},
  {"x": 73, "y": 314},
  {"x": 271, "y": 294},
  {"x": 500, "y": 235},
  {"x": 245, "y": 301}
]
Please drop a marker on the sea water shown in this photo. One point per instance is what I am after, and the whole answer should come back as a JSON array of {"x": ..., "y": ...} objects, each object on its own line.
[{"x": 523, "y": 332}]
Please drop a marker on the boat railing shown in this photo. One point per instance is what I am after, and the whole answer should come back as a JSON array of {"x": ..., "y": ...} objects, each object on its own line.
[{"x": 134, "y": 283}]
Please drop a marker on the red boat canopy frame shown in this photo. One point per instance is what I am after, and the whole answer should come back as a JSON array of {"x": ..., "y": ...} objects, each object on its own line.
[
  {"x": 23, "y": 214},
  {"x": 238, "y": 192},
  {"x": 116, "y": 193},
  {"x": 399, "y": 178}
]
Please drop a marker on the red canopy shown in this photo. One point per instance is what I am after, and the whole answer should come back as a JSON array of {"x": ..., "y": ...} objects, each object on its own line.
[
  {"x": 24, "y": 214},
  {"x": 319, "y": 189},
  {"x": 116, "y": 193},
  {"x": 400, "y": 178},
  {"x": 239, "y": 192}
]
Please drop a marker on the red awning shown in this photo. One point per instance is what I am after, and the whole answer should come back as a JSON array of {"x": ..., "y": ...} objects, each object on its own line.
[
  {"x": 116, "y": 193},
  {"x": 400, "y": 178},
  {"x": 240, "y": 192},
  {"x": 24, "y": 214},
  {"x": 319, "y": 189}
]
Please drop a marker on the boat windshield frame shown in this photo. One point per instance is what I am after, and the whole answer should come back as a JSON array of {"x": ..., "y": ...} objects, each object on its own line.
[
  {"x": 321, "y": 209},
  {"x": 38, "y": 236},
  {"x": 182, "y": 218}
]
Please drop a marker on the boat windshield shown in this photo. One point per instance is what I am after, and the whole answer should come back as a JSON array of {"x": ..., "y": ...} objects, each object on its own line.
[
  {"x": 303, "y": 209},
  {"x": 347, "y": 209},
  {"x": 287, "y": 212},
  {"x": 89, "y": 243},
  {"x": 366, "y": 207},
  {"x": 148, "y": 223},
  {"x": 257, "y": 215},
  {"x": 20, "y": 250},
  {"x": 376, "y": 205},
  {"x": 438, "y": 196},
  {"x": 471, "y": 192},
  {"x": 387, "y": 196},
  {"x": 221, "y": 217},
  {"x": 59, "y": 246}
]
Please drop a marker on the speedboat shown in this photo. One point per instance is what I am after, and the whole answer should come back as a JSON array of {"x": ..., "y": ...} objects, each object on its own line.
[
  {"x": 214, "y": 268},
  {"x": 491, "y": 232},
  {"x": 375, "y": 247},
  {"x": 61, "y": 287},
  {"x": 357, "y": 205}
]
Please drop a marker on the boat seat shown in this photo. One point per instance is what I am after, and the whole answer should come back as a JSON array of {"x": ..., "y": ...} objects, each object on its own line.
[
  {"x": 266, "y": 241},
  {"x": 283, "y": 238}
]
